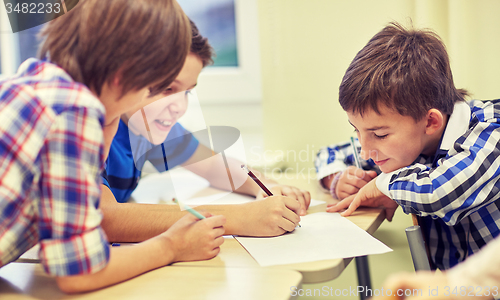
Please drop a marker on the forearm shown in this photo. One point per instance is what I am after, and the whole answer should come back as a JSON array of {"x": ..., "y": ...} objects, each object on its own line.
[
  {"x": 425, "y": 189},
  {"x": 124, "y": 263},
  {"x": 133, "y": 222}
]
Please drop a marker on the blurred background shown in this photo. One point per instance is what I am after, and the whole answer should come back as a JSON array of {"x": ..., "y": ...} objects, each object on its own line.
[{"x": 279, "y": 63}]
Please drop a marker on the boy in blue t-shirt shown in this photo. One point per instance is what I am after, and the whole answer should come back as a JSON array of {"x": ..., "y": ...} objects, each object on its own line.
[
  {"x": 135, "y": 222},
  {"x": 439, "y": 155},
  {"x": 57, "y": 115}
]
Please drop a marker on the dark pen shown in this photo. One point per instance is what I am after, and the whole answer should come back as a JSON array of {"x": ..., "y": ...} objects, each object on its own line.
[{"x": 262, "y": 186}]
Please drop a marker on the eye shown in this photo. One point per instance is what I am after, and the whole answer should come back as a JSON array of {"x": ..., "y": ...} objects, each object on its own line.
[
  {"x": 381, "y": 136},
  {"x": 168, "y": 91}
]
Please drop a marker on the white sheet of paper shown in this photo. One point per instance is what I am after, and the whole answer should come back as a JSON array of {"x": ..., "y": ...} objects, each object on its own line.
[{"x": 322, "y": 236}]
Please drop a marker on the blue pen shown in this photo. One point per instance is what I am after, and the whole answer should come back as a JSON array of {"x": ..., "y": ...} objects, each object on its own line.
[
  {"x": 356, "y": 157},
  {"x": 189, "y": 209}
]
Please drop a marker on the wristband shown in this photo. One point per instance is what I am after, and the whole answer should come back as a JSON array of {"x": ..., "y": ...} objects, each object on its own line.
[{"x": 333, "y": 185}]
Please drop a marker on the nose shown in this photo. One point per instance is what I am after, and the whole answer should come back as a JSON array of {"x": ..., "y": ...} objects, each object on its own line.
[
  {"x": 367, "y": 150},
  {"x": 179, "y": 103}
]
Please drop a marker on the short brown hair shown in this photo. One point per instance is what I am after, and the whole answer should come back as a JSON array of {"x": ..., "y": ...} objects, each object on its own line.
[
  {"x": 406, "y": 70},
  {"x": 135, "y": 40},
  {"x": 200, "y": 46}
]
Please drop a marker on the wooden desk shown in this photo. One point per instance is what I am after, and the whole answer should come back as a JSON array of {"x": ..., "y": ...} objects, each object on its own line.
[
  {"x": 23, "y": 281},
  {"x": 233, "y": 274},
  {"x": 234, "y": 255}
]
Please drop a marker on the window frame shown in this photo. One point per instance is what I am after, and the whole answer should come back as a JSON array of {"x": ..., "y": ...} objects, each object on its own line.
[
  {"x": 242, "y": 84},
  {"x": 217, "y": 85},
  {"x": 9, "y": 46}
]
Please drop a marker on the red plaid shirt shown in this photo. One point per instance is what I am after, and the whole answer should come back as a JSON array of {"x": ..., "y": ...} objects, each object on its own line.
[{"x": 51, "y": 154}]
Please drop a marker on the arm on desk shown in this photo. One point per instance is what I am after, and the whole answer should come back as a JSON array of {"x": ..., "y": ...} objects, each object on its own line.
[
  {"x": 368, "y": 195},
  {"x": 187, "y": 240},
  {"x": 217, "y": 177},
  {"x": 133, "y": 222}
]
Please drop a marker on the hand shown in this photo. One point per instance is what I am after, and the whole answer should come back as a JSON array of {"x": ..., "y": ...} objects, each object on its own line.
[
  {"x": 369, "y": 195},
  {"x": 421, "y": 285},
  {"x": 351, "y": 180},
  {"x": 303, "y": 196},
  {"x": 269, "y": 217},
  {"x": 194, "y": 239}
]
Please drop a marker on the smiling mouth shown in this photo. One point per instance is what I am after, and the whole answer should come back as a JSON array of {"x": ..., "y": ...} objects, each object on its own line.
[
  {"x": 381, "y": 162},
  {"x": 164, "y": 123}
]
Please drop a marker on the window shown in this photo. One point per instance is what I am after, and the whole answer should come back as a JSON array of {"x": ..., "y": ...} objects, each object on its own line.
[
  {"x": 216, "y": 20},
  {"x": 230, "y": 25},
  {"x": 9, "y": 54}
]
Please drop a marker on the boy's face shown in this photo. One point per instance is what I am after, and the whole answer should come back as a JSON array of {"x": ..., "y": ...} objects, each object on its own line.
[
  {"x": 391, "y": 140},
  {"x": 159, "y": 114}
]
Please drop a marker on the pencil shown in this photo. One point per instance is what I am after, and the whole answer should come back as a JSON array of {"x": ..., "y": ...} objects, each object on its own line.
[
  {"x": 262, "y": 186},
  {"x": 189, "y": 209},
  {"x": 356, "y": 155}
]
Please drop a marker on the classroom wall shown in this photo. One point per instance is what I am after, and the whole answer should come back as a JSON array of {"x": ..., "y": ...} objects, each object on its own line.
[{"x": 306, "y": 47}]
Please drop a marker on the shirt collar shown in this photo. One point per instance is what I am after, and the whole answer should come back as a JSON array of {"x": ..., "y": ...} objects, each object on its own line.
[{"x": 458, "y": 124}]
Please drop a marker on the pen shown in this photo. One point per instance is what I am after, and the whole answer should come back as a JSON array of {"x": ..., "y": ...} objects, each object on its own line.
[
  {"x": 356, "y": 157},
  {"x": 262, "y": 186},
  {"x": 189, "y": 209}
]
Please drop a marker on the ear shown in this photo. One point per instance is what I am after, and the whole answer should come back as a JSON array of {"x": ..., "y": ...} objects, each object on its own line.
[
  {"x": 435, "y": 121},
  {"x": 117, "y": 80}
]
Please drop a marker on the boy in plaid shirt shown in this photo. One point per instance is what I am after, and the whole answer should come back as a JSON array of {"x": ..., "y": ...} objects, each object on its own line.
[
  {"x": 439, "y": 155},
  {"x": 59, "y": 116}
]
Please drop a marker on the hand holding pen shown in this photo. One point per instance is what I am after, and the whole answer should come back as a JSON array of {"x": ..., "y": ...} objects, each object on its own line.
[
  {"x": 259, "y": 183},
  {"x": 195, "y": 238}
]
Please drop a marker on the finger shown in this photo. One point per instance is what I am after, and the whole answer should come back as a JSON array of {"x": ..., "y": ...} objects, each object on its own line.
[
  {"x": 358, "y": 182},
  {"x": 219, "y": 231},
  {"x": 302, "y": 201},
  {"x": 371, "y": 174},
  {"x": 352, "y": 207},
  {"x": 287, "y": 225},
  {"x": 292, "y": 204},
  {"x": 348, "y": 189},
  {"x": 340, "y": 205},
  {"x": 214, "y": 252},
  {"x": 291, "y": 215},
  {"x": 206, "y": 214},
  {"x": 218, "y": 241},
  {"x": 307, "y": 198}
]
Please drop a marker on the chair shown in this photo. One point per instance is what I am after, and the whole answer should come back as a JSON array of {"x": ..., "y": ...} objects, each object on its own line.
[{"x": 418, "y": 248}]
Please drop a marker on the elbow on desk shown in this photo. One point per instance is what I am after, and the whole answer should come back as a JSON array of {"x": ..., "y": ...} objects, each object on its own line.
[{"x": 74, "y": 284}]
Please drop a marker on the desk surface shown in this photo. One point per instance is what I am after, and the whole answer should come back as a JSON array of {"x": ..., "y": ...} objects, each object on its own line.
[
  {"x": 233, "y": 274},
  {"x": 22, "y": 281},
  {"x": 234, "y": 255}
]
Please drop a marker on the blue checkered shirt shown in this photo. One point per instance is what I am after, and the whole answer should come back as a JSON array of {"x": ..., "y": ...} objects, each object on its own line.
[{"x": 456, "y": 191}]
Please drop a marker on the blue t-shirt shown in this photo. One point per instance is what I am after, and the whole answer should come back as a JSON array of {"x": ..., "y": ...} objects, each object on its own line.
[{"x": 123, "y": 167}]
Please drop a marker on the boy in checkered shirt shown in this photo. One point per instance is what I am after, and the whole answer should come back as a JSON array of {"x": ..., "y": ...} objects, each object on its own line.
[
  {"x": 439, "y": 155},
  {"x": 58, "y": 117}
]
